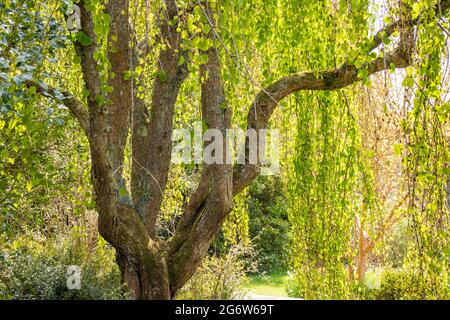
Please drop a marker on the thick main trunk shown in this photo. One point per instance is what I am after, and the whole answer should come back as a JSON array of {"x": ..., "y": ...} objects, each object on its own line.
[{"x": 147, "y": 279}]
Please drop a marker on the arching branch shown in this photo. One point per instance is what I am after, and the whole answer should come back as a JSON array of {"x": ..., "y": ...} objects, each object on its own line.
[{"x": 268, "y": 98}]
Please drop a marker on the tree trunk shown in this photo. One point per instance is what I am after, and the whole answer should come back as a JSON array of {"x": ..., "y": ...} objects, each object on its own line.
[
  {"x": 147, "y": 279},
  {"x": 365, "y": 248}
]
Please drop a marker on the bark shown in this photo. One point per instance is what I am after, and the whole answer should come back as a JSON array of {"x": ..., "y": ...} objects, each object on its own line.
[
  {"x": 152, "y": 131},
  {"x": 119, "y": 101},
  {"x": 148, "y": 279},
  {"x": 215, "y": 189},
  {"x": 153, "y": 268},
  {"x": 367, "y": 245}
]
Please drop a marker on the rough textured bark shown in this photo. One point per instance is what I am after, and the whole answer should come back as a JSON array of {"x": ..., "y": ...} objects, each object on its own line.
[
  {"x": 197, "y": 230},
  {"x": 152, "y": 268},
  {"x": 119, "y": 101},
  {"x": 152, "y": 130}
]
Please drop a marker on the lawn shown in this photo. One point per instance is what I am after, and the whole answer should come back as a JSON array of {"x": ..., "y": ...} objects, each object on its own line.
[{"x": 269, "y": 285}]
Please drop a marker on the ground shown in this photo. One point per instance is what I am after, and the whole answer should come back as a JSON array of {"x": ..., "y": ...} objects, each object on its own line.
[{"x": 270, "y": 287}]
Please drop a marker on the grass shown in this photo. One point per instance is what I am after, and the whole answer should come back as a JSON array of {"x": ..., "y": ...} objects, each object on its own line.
[{"x": 269, "y": 285}]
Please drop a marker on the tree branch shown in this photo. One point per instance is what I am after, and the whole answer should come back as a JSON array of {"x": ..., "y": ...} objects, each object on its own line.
[
  {"x": 120, "y": 99},
  {"x": 152, "y": 131},
  {"x": 118, "y": 222},
  {"x": 213, "y": 199},
  {"x": 268, "y": 98},
  {"x": 91, "y": 75},
  {"x": 389, "y": 29},
  {"x": 70, "y": 101}
]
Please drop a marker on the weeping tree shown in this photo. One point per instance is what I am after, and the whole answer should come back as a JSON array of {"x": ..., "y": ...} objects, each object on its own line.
[{"x": 112, "y": 110}]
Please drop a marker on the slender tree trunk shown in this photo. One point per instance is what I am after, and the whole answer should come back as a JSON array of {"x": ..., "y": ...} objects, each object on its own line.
[{"x": 365, "y": 247}]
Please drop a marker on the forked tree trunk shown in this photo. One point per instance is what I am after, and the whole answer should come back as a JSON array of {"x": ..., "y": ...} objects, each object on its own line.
[{"x": 151, "y": 267}]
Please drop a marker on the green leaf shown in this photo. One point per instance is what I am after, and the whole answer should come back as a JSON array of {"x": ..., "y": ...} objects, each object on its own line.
[
  {"x": 85, "y": 93},
  {"x": 447, "y": 251},
  {"x": 77, "y": 59},
  {"x": 408, "y": 82},
  {"x": 392, "y": 68},
  {"x": 398, "y": 149},
  {"x": 107, "y": 89},
  {"x": 202, "y": 59},
  {"x": 223, "y": 105},
  {"x": 127, "y": 75},
  {"x": 99, "y": 99},
  {"x": 206, "y": 28},
  {"x": 416, "y": 8},
  {"x": 162, "y": 75},
  {"x": 4, "y": 154},
  {"x": 83, "y": 38},
  {"x": 363, "y": 74},
  {"x": 123, "y": 192},
  {"x": 204, "y": 44},
  {"x": 181, "y": 60}
]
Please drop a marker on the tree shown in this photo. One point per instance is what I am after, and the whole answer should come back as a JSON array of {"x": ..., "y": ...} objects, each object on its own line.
[
  {"x": 154, "y": 268},
  {"x": 380, "y": 130}
]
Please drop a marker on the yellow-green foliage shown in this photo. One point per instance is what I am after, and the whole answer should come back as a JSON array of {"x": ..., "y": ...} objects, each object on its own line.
[
  {"x": 406, "y": 284},
  {"x": 36, "y": 268},
  {"x": 235, "y": 228},
  {"x": 220, "y": 277}
]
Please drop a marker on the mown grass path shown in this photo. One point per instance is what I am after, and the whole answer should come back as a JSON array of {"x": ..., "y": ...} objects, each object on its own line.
[{"x": 270, "y": 287}]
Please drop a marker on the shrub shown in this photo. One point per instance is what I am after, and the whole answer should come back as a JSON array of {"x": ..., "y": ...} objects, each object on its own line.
[
  {"x": 38, "y": 271},
  {"x": 220, "y": 277},
  {"x": 292, "y": 286},
  {"x": 402, "y": 284},
  {"x": 269, "y": 226}
]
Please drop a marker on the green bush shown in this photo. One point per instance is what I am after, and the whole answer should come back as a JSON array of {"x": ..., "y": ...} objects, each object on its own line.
[
  {"x": 36, "y": 270},
  {"x": 292, "y": 286},
  {"x": 220, "y": 277},
  {"x": 268, "y": 225},
  {"x": 402, "y": 284}
]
